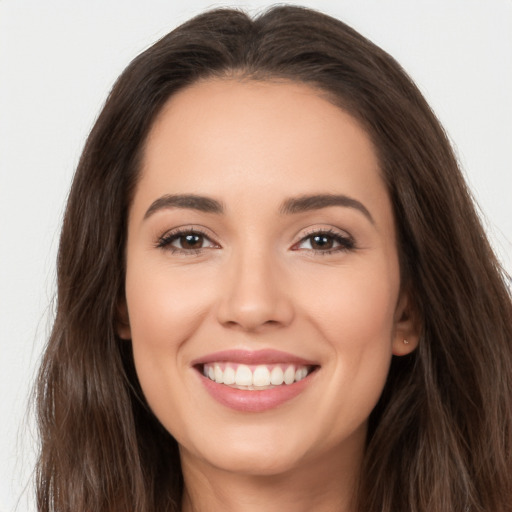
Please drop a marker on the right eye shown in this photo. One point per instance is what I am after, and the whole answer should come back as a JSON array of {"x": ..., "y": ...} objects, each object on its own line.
[{"x": 325, "y": 242}]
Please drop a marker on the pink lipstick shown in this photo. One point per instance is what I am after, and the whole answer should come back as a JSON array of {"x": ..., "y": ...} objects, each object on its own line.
[{"x": 254, "y": 381}]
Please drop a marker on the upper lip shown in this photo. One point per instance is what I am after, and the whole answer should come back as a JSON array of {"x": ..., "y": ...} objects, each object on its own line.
[{"x": 253, "y": 357}]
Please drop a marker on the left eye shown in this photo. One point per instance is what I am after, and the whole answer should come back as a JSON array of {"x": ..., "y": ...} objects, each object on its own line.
[
  {"x": 185, "y": 241},
  {"x": 325, "y": 242}
]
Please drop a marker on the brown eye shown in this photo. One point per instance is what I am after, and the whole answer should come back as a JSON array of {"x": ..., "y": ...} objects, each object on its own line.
[
  {"x": 185, "y": 242},
  {"x": 321, "y": 242},
  {"x": 190, "y": 241},
  {"x": 325, "y": 242}
]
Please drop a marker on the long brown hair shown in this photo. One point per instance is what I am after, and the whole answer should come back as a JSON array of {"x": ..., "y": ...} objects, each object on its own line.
[{"x": 440, "y": 438}]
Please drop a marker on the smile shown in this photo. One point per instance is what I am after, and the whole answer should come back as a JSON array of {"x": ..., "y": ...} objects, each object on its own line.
[
  {"x": 241, "y": 376},
  {"x": 254, "y": 381}
]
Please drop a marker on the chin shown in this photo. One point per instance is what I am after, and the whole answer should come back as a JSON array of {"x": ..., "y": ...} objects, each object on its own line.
[
  {"x": 256, "y": 463},
  {"x": 251, "y": 452}
]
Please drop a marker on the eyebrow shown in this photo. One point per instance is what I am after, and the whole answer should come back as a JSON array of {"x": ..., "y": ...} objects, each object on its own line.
[
  {"x": 289, "y": 207},
  {"x": 189, "y": 201},
  {"x": 318, "y": 201}
]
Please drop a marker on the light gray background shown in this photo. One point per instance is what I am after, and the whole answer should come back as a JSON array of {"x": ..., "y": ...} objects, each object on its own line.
[{"x": 58, "y": 60}]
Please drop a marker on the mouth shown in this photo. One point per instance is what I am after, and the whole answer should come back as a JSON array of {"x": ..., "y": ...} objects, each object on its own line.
[
  {"x": 254, "y": 381},
  {"x": 255, "y": 377}
]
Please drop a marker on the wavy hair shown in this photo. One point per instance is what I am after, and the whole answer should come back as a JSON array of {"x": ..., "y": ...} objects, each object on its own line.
[{"x": 440, "y": 438}]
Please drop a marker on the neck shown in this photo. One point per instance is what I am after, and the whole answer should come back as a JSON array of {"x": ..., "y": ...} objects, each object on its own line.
[{"x": 322, "y": 486}]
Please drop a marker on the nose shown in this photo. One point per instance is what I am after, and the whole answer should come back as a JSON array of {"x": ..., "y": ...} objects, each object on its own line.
[{"x": 254, "y": 294}]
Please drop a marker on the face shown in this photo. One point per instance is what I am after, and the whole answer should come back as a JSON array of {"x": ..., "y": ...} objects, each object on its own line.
[{"x": 263, "y": 293}]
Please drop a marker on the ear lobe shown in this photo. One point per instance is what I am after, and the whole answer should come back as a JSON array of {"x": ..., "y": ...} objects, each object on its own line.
[
  {"x": 407, "y": 326},
  {"x": 123, "y": 321}
]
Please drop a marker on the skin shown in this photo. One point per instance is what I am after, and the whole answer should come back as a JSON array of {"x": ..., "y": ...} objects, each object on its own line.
[{"x": 257, "y": 282}]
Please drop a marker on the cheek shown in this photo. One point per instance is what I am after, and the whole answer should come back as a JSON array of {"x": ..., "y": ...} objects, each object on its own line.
[
  {"x": 163, "y": 307},
  {"x": 357, "y": 322},
  {"x": 357, "y": 310},
  {"x": 165, "y": 310}
]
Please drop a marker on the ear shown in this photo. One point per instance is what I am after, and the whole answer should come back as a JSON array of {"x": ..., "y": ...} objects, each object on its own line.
[
  {"x": 407, "y": 325},
  {"x": 122, "y": 320}
]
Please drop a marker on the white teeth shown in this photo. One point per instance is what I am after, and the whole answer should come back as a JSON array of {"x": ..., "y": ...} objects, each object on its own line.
[
  {"x": 261, "y": 376},
  {"x": 229, "y": 375},
  {"x": 276, "y": 376},
  {"x": 243, "y": 376},
  {"x": 289, "y": 375},
  {"x": 219, "y": 376}
]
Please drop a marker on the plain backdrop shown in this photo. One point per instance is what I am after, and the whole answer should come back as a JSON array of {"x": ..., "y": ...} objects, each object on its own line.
[{"x": 58, "y": 60}]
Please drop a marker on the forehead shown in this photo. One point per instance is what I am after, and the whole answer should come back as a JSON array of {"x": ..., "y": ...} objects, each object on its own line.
[{"x": 233, "y": 139}]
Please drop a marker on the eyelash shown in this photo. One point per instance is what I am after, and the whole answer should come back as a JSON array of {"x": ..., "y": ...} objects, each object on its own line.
[
  {"x": 345, "y": 243},
  {"x": 165, "y": 241}
]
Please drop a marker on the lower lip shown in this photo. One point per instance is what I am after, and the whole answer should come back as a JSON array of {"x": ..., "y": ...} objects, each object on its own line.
[{"x": 254, "y": 400}]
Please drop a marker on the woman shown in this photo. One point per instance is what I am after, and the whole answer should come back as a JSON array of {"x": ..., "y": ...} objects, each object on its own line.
[{"x": 274, "y": 291}]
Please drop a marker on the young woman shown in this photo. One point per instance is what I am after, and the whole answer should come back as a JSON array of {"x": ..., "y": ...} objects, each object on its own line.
[{"x": 274, "y": 292}]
